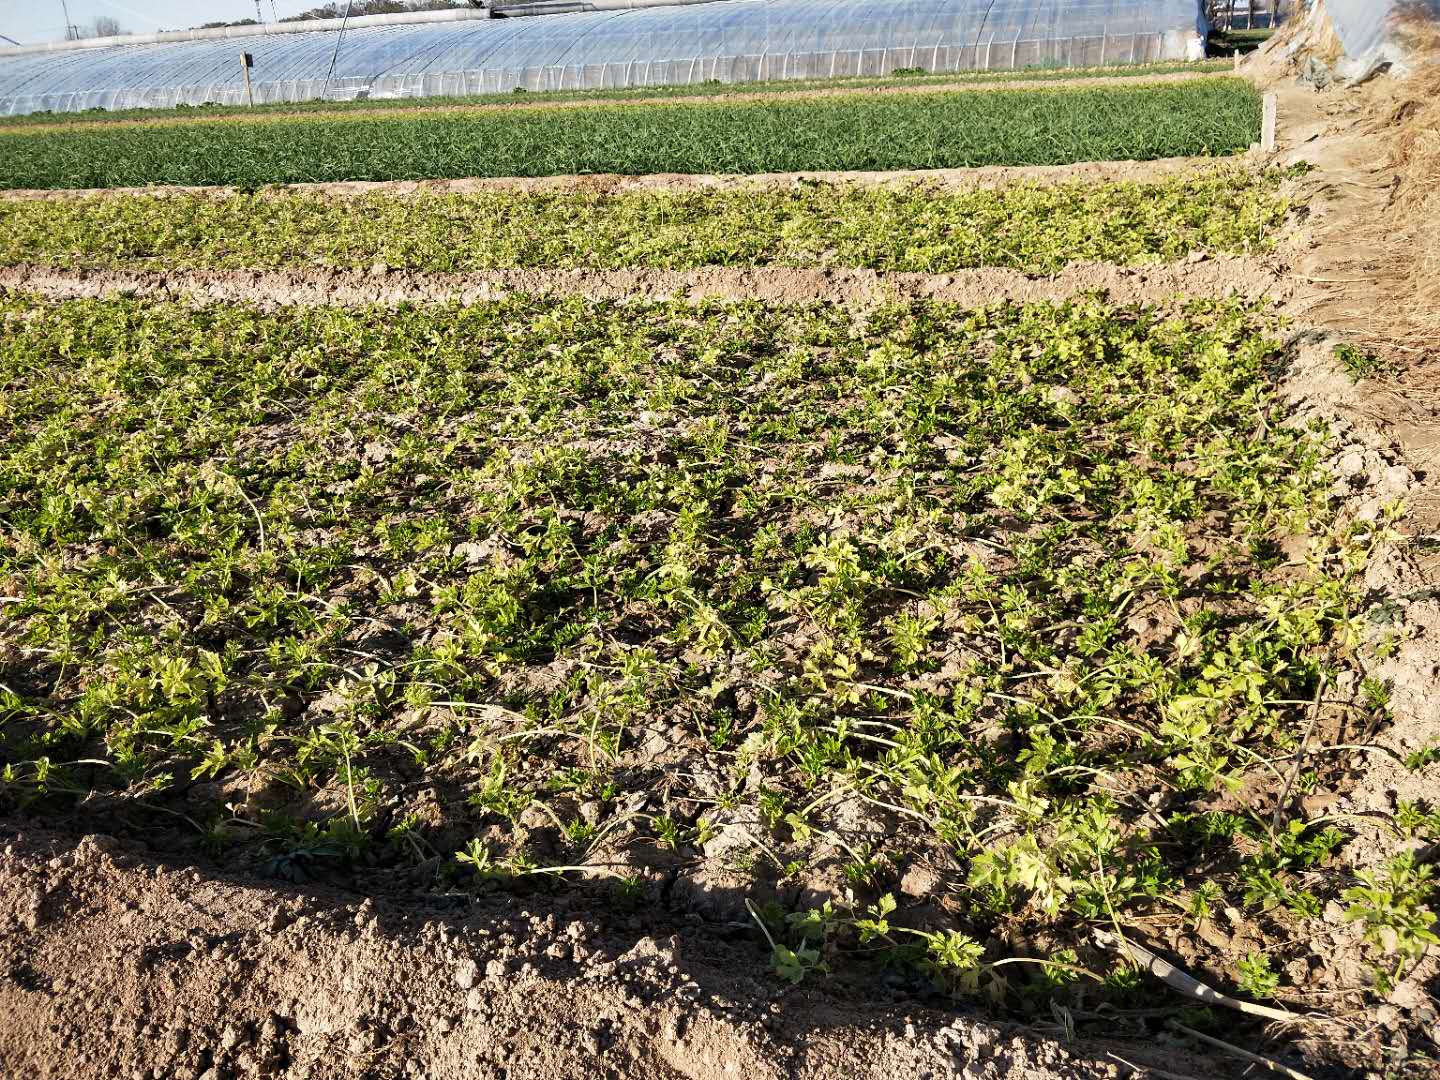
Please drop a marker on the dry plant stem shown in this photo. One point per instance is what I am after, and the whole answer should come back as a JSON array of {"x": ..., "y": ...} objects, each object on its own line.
[
  {"x": 1300, "y": 755},
  {"x": 1149, "y": 1070},
  {"x": 1186, "y": 984},
  {"x": 1269, "y": 1063}
]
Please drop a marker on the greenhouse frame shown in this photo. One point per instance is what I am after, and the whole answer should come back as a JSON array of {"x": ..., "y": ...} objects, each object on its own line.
[{"x": 467, "y": 52}]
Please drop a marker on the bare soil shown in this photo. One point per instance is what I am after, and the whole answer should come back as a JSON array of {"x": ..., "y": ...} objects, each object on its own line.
[
  {"x": 986, "y": 176},
  {"x": 202, "y": 976},
  {"x": 208, "y": 972},
  {"x": 1251, "y": 278}
]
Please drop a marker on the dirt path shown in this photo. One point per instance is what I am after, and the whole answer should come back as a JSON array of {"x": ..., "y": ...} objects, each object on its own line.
[
  {"x": 521, "y": 105},
  {"x": 205, "y": 978},
  {"x": 1219, "y": 276},
  {"x": 986, "y": 176}
]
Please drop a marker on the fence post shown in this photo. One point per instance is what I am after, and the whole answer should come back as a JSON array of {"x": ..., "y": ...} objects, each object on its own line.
[
  {"x": 1268, "y": 124},
  {"x": 245, "y": 62}
]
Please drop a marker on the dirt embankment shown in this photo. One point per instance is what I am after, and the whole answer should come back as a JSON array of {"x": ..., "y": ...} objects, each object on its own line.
[{"x": 1351, "y": 264}]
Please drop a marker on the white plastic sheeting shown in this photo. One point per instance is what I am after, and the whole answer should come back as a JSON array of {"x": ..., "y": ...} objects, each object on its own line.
[
  {"x": 1366, "y": 28},
  {"x": 728, "y": 41}
]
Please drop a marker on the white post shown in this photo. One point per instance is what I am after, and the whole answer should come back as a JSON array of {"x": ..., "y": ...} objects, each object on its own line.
[{"x": 1268, "y": 124}]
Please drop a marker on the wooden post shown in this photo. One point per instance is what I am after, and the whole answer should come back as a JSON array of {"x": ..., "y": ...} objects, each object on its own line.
[
  {"x": 1267, "y": 125},
  {"x": 245, "y": 61}
]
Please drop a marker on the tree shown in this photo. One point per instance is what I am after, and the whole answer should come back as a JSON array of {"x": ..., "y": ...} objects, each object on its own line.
[
  {"x": 103, "y": 26},
  {"x": 336, "y": 8}
]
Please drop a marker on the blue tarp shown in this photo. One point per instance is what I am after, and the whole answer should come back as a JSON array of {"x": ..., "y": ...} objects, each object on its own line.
[{"x": 731, "y": 41}]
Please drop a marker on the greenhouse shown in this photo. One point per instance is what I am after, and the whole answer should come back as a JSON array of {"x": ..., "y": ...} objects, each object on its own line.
[
  {"x": 1368, "y": 29},
  {"x": 610, "y": 43}
]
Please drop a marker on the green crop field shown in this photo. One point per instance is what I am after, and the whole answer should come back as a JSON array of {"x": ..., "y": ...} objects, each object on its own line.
[
  {"x": 999, "y": 127},
  {"x": 540, "y": 588},
  {"x": 632, "y": 93},
  {"x": 908, "y": 648},
  {"x": 1039, "y": 228}
]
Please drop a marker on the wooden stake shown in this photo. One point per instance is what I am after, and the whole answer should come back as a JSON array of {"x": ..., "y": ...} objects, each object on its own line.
[
  {"x": 245, "y": 69},
  {"x": 1267, "y": 124}
]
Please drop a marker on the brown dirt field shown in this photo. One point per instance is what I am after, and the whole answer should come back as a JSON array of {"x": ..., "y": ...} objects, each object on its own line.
[
  {"x": 206, "y": 974},
  {"x": 522, "y": 105}
]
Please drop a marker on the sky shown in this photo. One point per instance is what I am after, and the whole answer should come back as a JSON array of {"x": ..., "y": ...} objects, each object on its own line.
[{"x": 33, "y": 21}]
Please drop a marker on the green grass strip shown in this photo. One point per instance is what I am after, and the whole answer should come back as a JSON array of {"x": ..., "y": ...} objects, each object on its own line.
[
  {"x": 1002, "y": 127},
  {"x": 630, "y": 93},
  {"x": 1025, "y": 227}
]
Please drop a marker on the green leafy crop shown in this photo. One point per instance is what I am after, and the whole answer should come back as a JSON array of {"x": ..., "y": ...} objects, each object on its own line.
[
  {"x": 902, "y": 77},
  {"x": 600, "y": 584},
  {"x": 1050, "y": 126},
  {"x": 1031, "y": 227}
]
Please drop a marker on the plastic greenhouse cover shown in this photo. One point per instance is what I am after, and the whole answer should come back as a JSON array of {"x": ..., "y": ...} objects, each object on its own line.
[
  {"x": 1365, "y": 26},
  {"x": 730, "y": 41}
]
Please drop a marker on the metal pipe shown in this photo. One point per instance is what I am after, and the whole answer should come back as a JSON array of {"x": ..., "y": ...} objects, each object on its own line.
[
  {"x": 568, "y": 7},
  {"x": 222, "y": 33},
  {"x": 309, "y": 26},
  {"x": 336, "y": 54}
]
